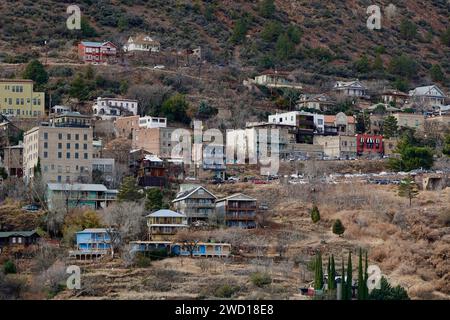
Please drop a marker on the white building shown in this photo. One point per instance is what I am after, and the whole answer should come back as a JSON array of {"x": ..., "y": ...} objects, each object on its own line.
[
  {"x": 110, "y": 108},
  {"x": 291, "y": 118},
  {"x": 350, "y": 88},
  {"x": 428, "y": 96},
  {"x": 60, "y": 109},
  {"x": 142, "y": 43},
  {"x": 152, "y": 122}
]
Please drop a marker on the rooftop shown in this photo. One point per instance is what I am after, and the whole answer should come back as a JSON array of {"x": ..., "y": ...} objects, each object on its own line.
[
  {"x": 163, "y": 213},
  {"x": 77, "y": 187},
  {"x": 17, "y": 233}
]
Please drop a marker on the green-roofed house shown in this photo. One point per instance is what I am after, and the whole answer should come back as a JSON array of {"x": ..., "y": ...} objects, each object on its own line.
[{"x": 18, "y": 238}]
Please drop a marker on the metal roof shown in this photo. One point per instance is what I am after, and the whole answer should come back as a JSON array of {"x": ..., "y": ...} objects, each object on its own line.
[
  {"x": 76, "y": 187},
  {"x": 17, "y": 233},
  {"x": 166, "y": 213}
]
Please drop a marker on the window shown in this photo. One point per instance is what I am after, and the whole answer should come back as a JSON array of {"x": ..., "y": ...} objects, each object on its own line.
[
  {"x": 77, "y": 146},
  {"x": 45, "y": 154},
  {"x": 85, "y": 137},
  {"x": 59, "y": 145},
  {"x": 60, "y": 136},
  {"x": 59, "y": 178},
  {"x": 68, "y": 136},
  {"x": 14, "y": 239},
  {"x": 19, "y": 240},
  {"x": 45, "y": 168},
  {"x": 77, "y": 137},
  {"x": 59, "y": 169},
  {"x": 67, "y": 178},
  {"x": 86, "y": 156},
  {"x": 59, "y": 155},
  {"x": 67, "y": 169},
  {"x": 68, "y": 155},
  {"x": 45, "y": 145},
  {"x": 85, "y": 146},
  {"x": 68, "y": 145}
]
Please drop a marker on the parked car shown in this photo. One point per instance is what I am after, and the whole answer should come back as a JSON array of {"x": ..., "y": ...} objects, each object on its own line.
[
  {"x": 159, "y": 67},
  {"x": 233, "y": 179}
]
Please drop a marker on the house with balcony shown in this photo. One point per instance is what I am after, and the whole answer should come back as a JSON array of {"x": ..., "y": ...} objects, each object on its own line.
[
  {"x": 164, "y": 224},
  {"x": 196, "y": 203},
  {"x": 97, "y": 52},
  {"x": 427, "y": 97},
  {"x": 112, "y": 108},
  {"x": 238, "y": 210},
  {"x": 79, "y": 195},
  {"x": 91, "y": 243},
  {"x": 353, "y": 89}
]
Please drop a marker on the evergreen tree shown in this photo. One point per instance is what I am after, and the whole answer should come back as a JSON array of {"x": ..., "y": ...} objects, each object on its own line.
[
  {"x": 239, "y": 31},
  {"x": 408, "y": 189},
  {"x": 366, "y": 278},
  {"x": 362, "y": 65},
  {"x": 343, "y": 285},
  {"x": 284, "y": 47},
  {"x": 329, "y": 273},
  {"x": 436, "y": 73},
  {"x": 315, "y": 214},
  {"x": 390, "y": 127},
  {"x": 338, "y": 227},
  {"x": 154, "y": 199},
  {"x": 129, "y": 191},
  {"x": 333, "y": 273},
  {"x": 35, "y": 71},
  {"x": 378, "y": 63},
  {"x": 174, "y": 108},
  {"x": 349, "y": 277},
  {"x": 361, "y": 289},
  {"x": 387, "y": 292},
  {"x": 318, "y": 280}
]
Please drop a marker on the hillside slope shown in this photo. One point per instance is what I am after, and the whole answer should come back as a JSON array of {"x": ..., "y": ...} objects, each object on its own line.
[{"x": 329, "y": 38}]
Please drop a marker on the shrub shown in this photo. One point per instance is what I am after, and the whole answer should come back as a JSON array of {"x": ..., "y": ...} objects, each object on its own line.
[
  {"x": 9, "y": 267},
  {"x": 260, "y": 279},
  {"x": 142, "y": 261},
  {"x": 315, "y": 214},
  {"x": 225, "y": 291}
]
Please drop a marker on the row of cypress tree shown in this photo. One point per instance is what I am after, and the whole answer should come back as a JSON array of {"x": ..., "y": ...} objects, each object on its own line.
[{"x": 346, "y": 277}]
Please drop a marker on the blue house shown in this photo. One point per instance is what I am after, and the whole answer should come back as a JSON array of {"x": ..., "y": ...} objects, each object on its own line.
[{"x": 92, "y": 243}]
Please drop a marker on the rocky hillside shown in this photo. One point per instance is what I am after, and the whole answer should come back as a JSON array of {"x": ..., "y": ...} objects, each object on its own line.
[{"x": 316, "y": 40}]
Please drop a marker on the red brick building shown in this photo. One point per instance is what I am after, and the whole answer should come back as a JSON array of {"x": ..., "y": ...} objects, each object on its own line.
[
  {"x": 97, "y": 52},
  {"x": 369, "y": 144}
]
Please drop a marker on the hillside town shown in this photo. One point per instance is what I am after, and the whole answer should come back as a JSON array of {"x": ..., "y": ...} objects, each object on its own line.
[{"x": 106, "y": 163}]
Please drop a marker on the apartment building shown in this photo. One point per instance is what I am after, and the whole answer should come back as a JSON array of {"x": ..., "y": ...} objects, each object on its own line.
[
  {"x": 18, "y": 99},
  {"x": 64, "y": 152},
  {"x": 237, "y": 210},
  {"x": 337, "y": 147},
  {"x": 196, "y": 203},
  {"x": 13, "y": 160},
  {"x": 154, "y": 140}
]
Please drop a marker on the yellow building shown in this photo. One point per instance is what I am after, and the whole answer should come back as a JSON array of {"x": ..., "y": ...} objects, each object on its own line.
[{"x": 18, "y": 99}]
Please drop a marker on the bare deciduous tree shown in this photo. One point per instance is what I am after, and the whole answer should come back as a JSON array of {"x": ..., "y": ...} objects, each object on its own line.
[{"x": 123, "y": 221}]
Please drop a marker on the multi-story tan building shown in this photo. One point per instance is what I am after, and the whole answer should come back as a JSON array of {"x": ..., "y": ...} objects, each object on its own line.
[
  {"x": 65, "y": 153},
  {"x": 338, "y": 147},
  {"x": 410, "y": 120},
  {"x": 18, "y": 99},
  {"x": 154, "y": 140},
  {"x": 13, "y": 160},
  {"x": 125, "y": 126}
]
